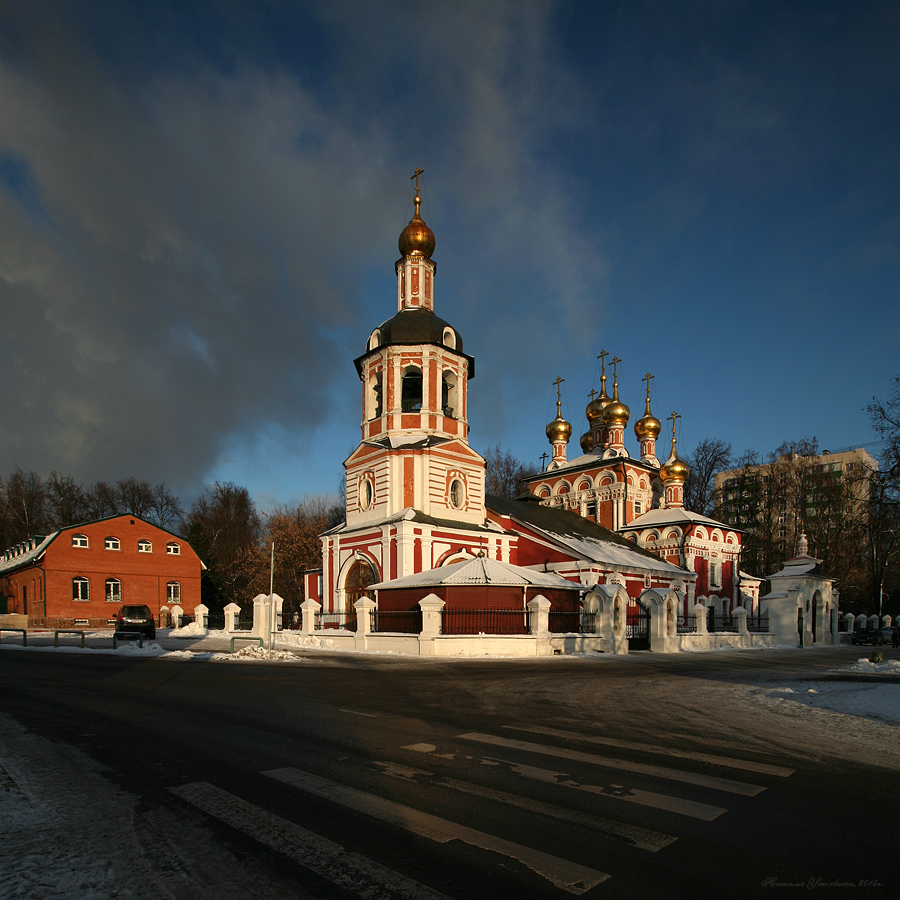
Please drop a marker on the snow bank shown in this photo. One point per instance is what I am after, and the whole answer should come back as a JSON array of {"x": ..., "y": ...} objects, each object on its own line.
[{"x": 195, "y": 629}]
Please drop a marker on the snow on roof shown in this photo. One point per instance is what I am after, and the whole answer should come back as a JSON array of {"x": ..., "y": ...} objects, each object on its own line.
[
  {"x": 25, "y": 553},
  {"x": 677, "y": 516},
  {"x": 480, "y": 570},
  {"x": 614, "y": 554}
]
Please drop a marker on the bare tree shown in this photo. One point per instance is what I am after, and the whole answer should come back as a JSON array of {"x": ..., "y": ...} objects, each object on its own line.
[
  {"x": 66, "y": 500},
  {"x": 504, "y": 475},
  {"x": 26, "y": 503},
  {"x": 101, "y": 501},
  {"x": 134, "y": 497},
  {"x": 711, "y": 455},
  {"x": 165, "y": 509}
]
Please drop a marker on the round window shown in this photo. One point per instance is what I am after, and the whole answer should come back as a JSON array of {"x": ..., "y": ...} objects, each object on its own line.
[
  {"x": 457, "y": 494},
  {"x": 368, "y": 494}
]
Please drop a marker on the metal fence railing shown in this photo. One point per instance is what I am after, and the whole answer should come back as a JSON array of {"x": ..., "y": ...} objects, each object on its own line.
[
  {"x": 485, "y": 621},
  {"x": 571, "y": 622},
  {"x": 758, "y": 623},
  {"x": 685, "y": 625},
  {"x": 407, "y": 621}
]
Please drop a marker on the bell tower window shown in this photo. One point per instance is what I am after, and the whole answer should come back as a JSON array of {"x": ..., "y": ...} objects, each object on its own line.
[
  {"x": 449, "y": 398},
  {"x": 411, "y": 390},
  {"x": 374, "y": 404}
]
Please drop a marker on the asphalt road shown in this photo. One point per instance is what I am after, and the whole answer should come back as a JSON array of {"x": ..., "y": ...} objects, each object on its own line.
[{"x": 357, "y": 776}]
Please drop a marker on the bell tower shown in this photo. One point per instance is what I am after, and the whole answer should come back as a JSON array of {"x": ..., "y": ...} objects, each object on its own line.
[{"x": 414, "y": 378}]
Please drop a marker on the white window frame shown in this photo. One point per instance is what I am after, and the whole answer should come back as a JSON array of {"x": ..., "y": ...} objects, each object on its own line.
[
  {"x": 173, "y": 548},
  {"x": 113, "y": 590},
  {"x": 145, "y": 546},
  {"x": 80, "y": 540},
  {"x": 173, "y": 596},
  {"x": 112, "y": 543},
  {"x": 84, "y": 583},
  {"x": 715, "y": 574}
]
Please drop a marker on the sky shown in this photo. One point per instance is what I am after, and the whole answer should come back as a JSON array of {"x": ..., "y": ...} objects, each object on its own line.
[{"x": 200, "y": 204}]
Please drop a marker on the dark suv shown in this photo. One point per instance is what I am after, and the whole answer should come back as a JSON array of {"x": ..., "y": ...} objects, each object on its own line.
[
  {"x": 136, "y": 619},
  {"x": 867, "y": 636}
]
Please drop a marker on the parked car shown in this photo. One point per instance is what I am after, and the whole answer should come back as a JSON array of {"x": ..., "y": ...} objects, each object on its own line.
[
  {"x": 136, "y": 619},
  {"x": 867, "y": 636}
]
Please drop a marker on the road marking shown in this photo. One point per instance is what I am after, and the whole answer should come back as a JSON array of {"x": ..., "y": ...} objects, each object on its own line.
[
  {"x": 569, "y": 876},
  {"x": 708, "y": 781},
  {"x": 357, "y": 712},
  {"x": 747, "y": 765},
  {"x": 355, "y": 873},
  {"x": 641, "y": 838}
]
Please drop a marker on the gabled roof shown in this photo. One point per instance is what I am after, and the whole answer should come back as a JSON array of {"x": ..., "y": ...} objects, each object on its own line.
[
  {"x": 582, "y": 538},
  {"x": 411, "y": 514},
  {"x": 654, "y": 518},
  {"x": 481, "y": 571}
]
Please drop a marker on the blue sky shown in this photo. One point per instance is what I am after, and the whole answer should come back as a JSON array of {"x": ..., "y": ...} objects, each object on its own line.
[{"x": 200, "y": 204}]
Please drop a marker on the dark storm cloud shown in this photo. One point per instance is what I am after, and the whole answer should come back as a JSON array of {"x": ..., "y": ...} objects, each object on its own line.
[{"x": 182, "y": 240}]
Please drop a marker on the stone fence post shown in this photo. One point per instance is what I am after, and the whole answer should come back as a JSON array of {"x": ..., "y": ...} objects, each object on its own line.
[
  {"x": 232, "y": 611},
  {"x": 698, "y": 611},
  {"x": 200, "y": 613},
  {"x": 363, "y": 607},
  {"x": 177, "y": 613},
  {"x": 311, "y": 609},
  {"x": 740, "y": 617},
  {"x": 539, "y": 614}
]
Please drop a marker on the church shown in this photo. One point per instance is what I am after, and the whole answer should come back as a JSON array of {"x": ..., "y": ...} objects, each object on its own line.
[{"x": 415, "y": 488}]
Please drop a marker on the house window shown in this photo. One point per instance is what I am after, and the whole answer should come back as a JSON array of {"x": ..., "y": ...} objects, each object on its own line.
[
  {"x": 113, "y": 590},
  {"x": 173, "y": 592},
  {"x": 173, "y": 549},
  {"x": 111, "y": 543},
  {"x": 79, "y": 540},
  {"x": 715, "y": 574},
  {"x": 145, "y": 546},
  {"x": 81, "y": 588}
]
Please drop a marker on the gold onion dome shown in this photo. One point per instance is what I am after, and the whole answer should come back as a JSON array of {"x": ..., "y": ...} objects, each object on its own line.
[
  {"x": 417, "y": 237},
  {"x": 674, "y": 470},
  {"x": 587, "y": 442},
  {"x": 648, "y": 426},
  {"x": 594, "y": 410},
  {"x": 559, "y": 430},
  {"x": 616, "y": 413}
]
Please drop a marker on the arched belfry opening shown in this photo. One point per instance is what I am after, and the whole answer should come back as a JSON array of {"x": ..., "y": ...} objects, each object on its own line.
[{"x": 411, "y": 390}]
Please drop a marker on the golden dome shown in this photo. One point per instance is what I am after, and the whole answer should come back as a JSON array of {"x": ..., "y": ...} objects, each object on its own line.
[
  {"x": 648, "y": 426},
  {"x": 417, "y": 237},
  {"x": 587, "y": 442},
  {"x": 559, "y": 429},
  {"x": 616, "y": 413},
  {"x": 674, "y": 470},
  {"x": 594, "y": 410}
]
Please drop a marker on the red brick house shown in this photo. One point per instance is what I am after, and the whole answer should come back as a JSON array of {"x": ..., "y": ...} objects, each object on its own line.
[{"x": 82, "y": 574}]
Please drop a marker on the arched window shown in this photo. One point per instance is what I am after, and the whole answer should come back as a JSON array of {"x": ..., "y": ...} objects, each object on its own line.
[
  {"x": 173, "y": 592},
  {"x": 79, "y": 540},
  {"x": 450, "y": 338},
  {"x": 111, "y": 543},
  {"x": 173, "y": 548},
  {"x": 145, "y": 546},
  {"x": 360, "y": 576},
  {"x": 457, "y": 493},
  {"x": 411, "y": 390},
  {"x": 375, "y": 405},
  {"x": 449, "y": 398},
  {"x": 113, "y": 590},
  {"x": 81, "y": 588}
]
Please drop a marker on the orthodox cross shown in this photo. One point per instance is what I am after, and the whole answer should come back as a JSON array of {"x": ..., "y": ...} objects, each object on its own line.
[
  {"x": 592, "y": 394},
  {"x": 615, "y": 362},
  {"x": 558, "y": 382},
  {"x": 672, "y": 418},
  {"x": 647, "y": 378},
  {"x": 602, "y": 358},
  {"x": 544, "y": 459},
  {"x": 416, "y": 175}
]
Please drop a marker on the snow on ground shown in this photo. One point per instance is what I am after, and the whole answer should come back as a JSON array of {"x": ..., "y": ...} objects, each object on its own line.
[{"x": 865, "y": 699}]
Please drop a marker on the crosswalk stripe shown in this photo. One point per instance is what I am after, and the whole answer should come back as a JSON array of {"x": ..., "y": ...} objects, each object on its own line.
[
  {"x": 569, "y": 876},
  {"x": 709, "y": 781},
  {"x": 642, "y": 838},
  {"x": 727, "y": 761},
  {"x": 351, "y": 871}
]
